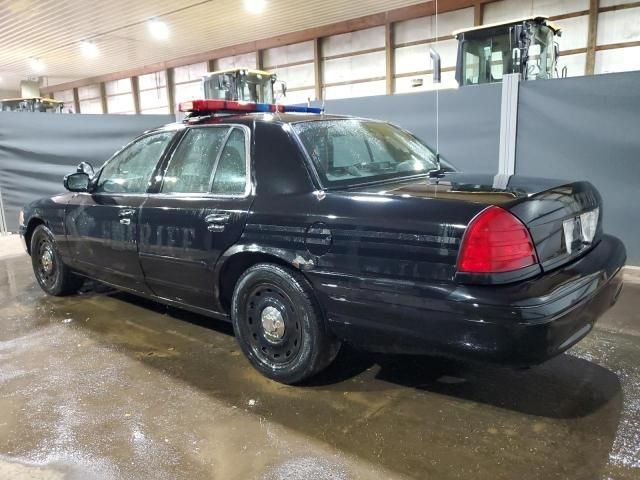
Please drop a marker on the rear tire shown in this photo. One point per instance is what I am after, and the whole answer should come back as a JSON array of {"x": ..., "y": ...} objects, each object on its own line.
[
  {"x": 279, "y": 324},
  {"x": 53, "y": 276}
]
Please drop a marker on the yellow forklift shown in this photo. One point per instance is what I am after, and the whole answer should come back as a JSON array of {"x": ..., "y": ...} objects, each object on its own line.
[
  {"x": 525, "y": 46},
  {"x": 242, "y": 84},
  {"x": 33, "y": 104}
]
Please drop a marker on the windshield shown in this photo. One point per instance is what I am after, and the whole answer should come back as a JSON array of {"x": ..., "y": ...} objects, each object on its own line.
[
  {"x": 351, "y": 151},
  {"x": 256, "y": 88}
]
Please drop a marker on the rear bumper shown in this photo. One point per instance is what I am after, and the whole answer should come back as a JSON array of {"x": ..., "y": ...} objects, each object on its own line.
[{"x": 520, "y": 324}]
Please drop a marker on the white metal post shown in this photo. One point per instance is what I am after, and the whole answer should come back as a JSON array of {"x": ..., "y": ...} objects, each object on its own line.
[
  {"x": 3, "y": 221},
  {"x": 508, "y": 129}
]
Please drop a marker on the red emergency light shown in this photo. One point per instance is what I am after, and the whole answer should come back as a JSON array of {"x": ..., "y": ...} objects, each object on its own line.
[{"x": 207, "y": 106}]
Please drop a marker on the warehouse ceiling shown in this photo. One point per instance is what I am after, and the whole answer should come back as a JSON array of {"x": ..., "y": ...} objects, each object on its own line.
[{"x": 43, "y": 37}]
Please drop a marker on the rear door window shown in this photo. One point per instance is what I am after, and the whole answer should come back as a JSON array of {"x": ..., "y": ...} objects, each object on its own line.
[
  {"x": 192, "y": 164},
  {"x": 211, "y": 159},
  {"x": 230, "y": 176}
]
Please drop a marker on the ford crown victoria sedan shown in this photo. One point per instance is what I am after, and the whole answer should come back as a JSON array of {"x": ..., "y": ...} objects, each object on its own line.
[{"x": 309, "y": 230}]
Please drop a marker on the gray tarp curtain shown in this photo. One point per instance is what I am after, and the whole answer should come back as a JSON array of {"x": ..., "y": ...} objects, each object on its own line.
[
  {"x": 587, "y": 128},
  {"x": 38, "y": 149}
]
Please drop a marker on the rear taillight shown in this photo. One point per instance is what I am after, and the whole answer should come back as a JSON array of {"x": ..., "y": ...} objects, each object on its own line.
[{"x": 496, "y": 241}]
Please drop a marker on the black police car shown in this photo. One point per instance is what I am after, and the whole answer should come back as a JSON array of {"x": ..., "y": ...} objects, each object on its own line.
[{"x": 307, "y": 230}]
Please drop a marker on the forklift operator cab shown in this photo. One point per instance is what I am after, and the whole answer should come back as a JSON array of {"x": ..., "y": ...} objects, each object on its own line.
[
  {"x": 242, "y": 84},
  {"x": 488, "y": 52}
]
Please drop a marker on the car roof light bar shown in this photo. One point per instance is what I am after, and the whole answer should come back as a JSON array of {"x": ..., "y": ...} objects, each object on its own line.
[{"x": 208, "y": 106}]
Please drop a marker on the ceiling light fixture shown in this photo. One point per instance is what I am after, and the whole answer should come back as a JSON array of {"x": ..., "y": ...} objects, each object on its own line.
[
  {"x": 158, "y": 29},
  {"x": 255, "y": 6},
  {"x": 89, "y": 49},
  {"x": 37, "y": 65}
]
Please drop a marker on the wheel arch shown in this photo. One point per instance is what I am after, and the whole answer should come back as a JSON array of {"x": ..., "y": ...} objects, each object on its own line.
[
  {"x": 238, "y": 259},
  {"x": 31, "y": 226}
]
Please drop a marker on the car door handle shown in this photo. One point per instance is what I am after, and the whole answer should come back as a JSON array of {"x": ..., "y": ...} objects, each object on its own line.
[
  {"x": 125, "y": 215},
  {"x": 217, "y": 221}
]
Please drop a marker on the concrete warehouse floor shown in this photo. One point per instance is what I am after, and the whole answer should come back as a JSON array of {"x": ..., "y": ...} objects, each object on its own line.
[{"x": 104, "y": 385}]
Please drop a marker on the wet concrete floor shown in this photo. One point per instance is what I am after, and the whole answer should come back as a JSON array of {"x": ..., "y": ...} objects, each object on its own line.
[{"x": 104, "y": 385}]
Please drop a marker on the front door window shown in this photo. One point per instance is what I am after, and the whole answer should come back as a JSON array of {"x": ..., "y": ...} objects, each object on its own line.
[{"x": 131, "y": 169}]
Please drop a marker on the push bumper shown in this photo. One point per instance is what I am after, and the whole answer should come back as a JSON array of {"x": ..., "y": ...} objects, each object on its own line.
[{"x": 520, "y": 324}]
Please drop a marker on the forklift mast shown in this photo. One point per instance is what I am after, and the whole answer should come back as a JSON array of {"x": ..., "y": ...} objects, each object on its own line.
[{"x": 526, "y": 47}]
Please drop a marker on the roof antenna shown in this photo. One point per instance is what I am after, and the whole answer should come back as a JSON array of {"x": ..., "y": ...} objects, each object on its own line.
[{"x": 437, "y": 78}]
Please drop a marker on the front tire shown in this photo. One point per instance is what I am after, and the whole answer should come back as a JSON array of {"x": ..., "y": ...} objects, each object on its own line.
[
  {"x": 279, "y": 324},
  {"x": 53, "y": 276}
]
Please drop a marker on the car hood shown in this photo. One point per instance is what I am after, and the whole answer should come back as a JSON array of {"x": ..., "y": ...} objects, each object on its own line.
[{"x": 477, "y": 188}]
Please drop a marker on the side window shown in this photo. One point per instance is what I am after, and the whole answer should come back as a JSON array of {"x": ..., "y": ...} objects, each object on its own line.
[
  {"x": 471, "y": 68},
  {"x": 497, "y": 65},
  {"x": 131, "y": 169},
  {"x": 231, "y": 173},
  {"x": 191, "y": 167}
]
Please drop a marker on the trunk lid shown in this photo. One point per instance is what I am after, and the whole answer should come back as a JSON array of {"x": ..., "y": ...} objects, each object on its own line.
[
  {"x": 563, "y": 218},
  {"x": 564, "y": 222}
]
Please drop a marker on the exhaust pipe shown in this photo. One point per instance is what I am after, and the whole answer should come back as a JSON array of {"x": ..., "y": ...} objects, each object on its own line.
[{"x": 435, "y": 61}]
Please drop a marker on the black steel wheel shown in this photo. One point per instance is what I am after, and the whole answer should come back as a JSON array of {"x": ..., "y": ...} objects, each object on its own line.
[
  {"x": 279, "y": 324},
  {"x": 53, "y": 276},
  {"x": 275, "y": 331}
]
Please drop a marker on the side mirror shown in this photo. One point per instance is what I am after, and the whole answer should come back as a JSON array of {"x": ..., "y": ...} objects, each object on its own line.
[
  {"x": 515, "y": 58},
  {"x": 85, "y": 167},
  {"x": 435, "y": 61},
  {"x": 77, "y": 182}
]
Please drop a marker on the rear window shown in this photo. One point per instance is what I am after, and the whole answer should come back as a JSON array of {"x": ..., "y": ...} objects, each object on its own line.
[{"x": 353, "y": 151}]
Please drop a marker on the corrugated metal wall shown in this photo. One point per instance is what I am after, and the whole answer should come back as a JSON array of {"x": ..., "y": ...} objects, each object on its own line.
[{"x": 355, "y": 65}]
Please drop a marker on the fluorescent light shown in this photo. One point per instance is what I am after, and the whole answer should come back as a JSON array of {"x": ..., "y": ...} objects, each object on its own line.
[
  {"x": 89, "y": 49},
  {"x": 254, "y": 6},
  {"x": 158, "y": 29},
  {"x": 37, "y": 65}
]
